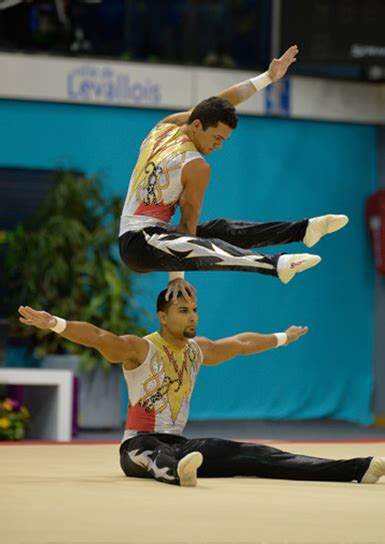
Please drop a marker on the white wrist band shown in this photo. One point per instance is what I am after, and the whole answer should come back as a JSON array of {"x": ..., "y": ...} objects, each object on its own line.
[
  {"x": 281, "y": 338},
  {"x": 60, "y": 325},
  {"x": 175, "y": 276},
  {"x": 261, "y": 81}
]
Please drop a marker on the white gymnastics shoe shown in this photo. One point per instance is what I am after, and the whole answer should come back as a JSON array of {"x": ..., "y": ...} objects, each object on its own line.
[
  {"x": 325, "y": 224},
  {"x": 289, "y": 265},
  {"x": 187, "y": 468},
  {"x": 375, "y": 470}
]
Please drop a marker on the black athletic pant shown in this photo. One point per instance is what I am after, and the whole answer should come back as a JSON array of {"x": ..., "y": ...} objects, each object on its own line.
[
  {"x": 156, "y": 455},
  {"x": 220, "y": 244}
]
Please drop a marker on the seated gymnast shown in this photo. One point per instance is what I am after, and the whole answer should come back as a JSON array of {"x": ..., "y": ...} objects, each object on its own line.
[
  {"x": 171, "y": 171},
  {"x": 161, "y": 371}
]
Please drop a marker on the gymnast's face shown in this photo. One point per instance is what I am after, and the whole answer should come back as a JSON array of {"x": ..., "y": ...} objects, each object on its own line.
[
  {"x": 180, "y": 319},
  {"x": 211, "y": 139}
]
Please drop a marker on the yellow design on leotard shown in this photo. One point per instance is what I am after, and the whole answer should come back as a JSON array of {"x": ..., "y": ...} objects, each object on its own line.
[
  {"x": 176, "y": 364},
  {"x": 164, "y": 140}
]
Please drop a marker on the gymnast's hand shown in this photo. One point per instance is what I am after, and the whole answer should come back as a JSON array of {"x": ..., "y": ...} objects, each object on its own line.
[
  {"x": 293, "y": 333},
  {"x": 279, "y": 67},
  {"x": 182, "y": 286},
  {"x": 35, "y": 318}
]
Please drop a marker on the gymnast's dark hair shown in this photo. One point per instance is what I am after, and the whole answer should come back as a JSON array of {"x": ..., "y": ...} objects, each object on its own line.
[
  {"x": 214, "y": 110},
  {"x": 161, "y": 303}
]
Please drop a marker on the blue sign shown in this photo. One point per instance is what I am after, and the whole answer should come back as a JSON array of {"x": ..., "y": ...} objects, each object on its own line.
[{"x": 277, "y": 97}]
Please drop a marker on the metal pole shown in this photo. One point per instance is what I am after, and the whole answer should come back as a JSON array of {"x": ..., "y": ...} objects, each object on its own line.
[{"x": 275, "y": 43}]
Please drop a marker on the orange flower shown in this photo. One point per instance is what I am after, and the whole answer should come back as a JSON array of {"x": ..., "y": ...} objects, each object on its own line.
[
  {"x": 4, "y": 423},
  {"x": 7, "y": 406}
]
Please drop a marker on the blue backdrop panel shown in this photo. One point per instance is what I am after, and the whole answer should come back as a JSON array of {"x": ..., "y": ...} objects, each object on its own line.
[{"x": 270, "y": 169}]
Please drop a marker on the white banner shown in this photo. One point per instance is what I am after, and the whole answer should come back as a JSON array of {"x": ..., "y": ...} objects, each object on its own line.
[
  {"x": 94, "y": 82},
  {"x": 110, "y": 83}
]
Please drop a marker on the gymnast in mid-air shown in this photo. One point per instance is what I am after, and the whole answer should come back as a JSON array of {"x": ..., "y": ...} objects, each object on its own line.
[{"x": 171, "y": 171}]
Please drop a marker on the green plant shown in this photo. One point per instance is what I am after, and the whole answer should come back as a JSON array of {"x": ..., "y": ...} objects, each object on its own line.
[
  {"x": 13, "y": 420},
  {"x": 65, "y": 260}
]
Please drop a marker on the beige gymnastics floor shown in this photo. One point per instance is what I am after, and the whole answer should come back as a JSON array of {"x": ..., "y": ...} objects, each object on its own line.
[{"x": 78, "y": 495}]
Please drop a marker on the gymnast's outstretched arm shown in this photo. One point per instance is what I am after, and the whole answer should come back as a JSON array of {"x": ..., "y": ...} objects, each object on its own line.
[
  {"x": 247, "y": 343},
  {"x": 113, "y": 348},
  {"x": 246, "y": 89}
]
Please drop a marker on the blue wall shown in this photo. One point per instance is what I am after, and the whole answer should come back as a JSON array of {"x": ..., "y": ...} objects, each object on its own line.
[{"x": 270, "y": 169}]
